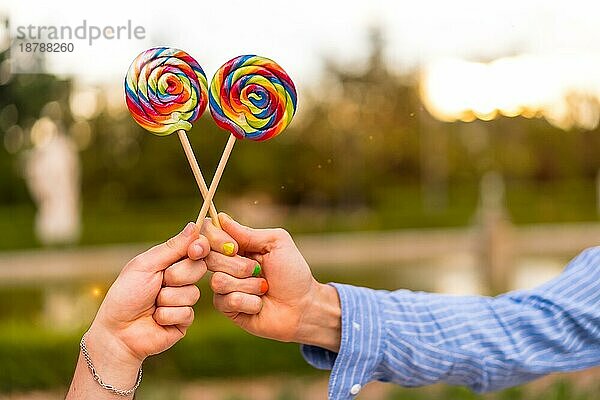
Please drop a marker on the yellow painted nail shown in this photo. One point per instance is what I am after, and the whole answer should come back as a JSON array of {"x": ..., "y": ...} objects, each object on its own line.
[{"x": 228, "y": 248}]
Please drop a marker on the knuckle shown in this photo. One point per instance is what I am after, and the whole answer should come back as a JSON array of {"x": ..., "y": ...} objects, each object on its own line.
[
  {"x": 135, "y": 262},
  {"x": 171, "y": 244},
  {"x": 195, "y": 296},
  {"x": 210, "y": 261},
  {"x": 214, "y": 283},
  {"x": 218, "y": 281},
  {"x": 194, "y": 273},
  {"x": 236, "y": 301},
  {"x": 189, "y": 314},
  {"x": 159, "y": 314},
  {"x": 169, "y": 277},
  {"x": 161, "y": 298},
  {"x": 256, "y": 305},
  {"x": 202, "y": 267},
  {"x": 281, "y": 233}
]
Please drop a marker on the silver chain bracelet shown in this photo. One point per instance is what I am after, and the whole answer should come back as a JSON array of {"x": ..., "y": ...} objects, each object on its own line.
[{"x": 110, "y": 388}]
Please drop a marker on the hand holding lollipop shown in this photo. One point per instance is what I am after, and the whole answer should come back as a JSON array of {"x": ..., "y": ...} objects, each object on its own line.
[
  {"x": 252, "y": 97},
  {"x": 166, "y": 91}
]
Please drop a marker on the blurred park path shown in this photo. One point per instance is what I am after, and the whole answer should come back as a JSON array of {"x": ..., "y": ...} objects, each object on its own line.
[{"x": 494, "y": 243}]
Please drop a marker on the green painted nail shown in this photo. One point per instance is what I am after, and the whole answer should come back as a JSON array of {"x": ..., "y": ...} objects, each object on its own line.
[
  {"x": 228, "y": 248},
  {"x": 256, "y": 272}
]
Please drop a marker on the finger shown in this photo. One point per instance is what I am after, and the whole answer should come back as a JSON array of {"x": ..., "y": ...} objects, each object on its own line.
[
  {"x": 238, "y": 266},
  {"x": 237, "y": 302},
  {"x": 199, "y": 248},
  {"x": 178, "y": 296},
  {"x": 184, "y": 272},
  {"x": 222, "y": 283},
  {"x": 182, "y": 316},
  {"x": 219, "y": 240},
  {"x": 250, "y": 239},
  {"x": 163, "y": 255}
]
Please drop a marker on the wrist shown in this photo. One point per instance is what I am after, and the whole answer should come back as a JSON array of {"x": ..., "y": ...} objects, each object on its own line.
[
  {"x": 112, "y": 359},
  {"x": 321, "y": 323}
]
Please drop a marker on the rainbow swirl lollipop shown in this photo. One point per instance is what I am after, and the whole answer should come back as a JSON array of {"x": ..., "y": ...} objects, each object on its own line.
[
  {"x": 165, "y": 90},
  {"x": 252, "y": 97}
]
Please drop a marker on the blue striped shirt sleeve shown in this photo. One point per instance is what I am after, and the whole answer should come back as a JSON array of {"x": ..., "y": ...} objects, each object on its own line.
[{"x": 416, "y": 339}]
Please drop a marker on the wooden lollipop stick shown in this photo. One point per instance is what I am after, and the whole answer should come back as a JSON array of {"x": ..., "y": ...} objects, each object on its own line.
[
  {"x": 189, "y": 153},
  {"x": 215, "y": 182}
]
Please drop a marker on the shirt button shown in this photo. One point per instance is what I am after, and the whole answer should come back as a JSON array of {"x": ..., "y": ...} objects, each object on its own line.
[{"x": 355, "y": 389}]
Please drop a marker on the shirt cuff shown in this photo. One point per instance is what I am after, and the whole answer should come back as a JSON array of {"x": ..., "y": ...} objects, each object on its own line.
[{"x": 361, "y": 343}]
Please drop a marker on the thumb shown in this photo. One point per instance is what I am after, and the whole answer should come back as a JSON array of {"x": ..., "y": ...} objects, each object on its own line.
[
  {"x": 165, "y": 254},
  {"x": 219, "y": 239},
  {"x": 248, "y": 239}
]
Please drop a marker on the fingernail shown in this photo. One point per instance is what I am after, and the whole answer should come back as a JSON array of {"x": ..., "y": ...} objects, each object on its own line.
[
  {"x": 228, "y": 248},
  {"x": 198, "y": 248},
  {"x": 256, "y": 272},
  {"x": 264, "y": 286},
  {"x": 189, "y": 229}
]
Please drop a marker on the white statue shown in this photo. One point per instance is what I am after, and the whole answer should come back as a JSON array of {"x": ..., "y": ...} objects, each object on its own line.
[{"x": 52, "y": 174}]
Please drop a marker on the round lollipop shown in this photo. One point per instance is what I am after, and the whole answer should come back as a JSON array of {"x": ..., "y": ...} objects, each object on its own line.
[
  {"x": 166, "y": 91},
  {"x": 251, "y": 97}
]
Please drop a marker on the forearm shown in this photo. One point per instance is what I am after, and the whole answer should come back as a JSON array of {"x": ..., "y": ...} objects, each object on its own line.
[
  {"x": 486, "y": 343},
  {"x": 417, "y": 339},
  {"x": 491, "y": 343},
  {"x": 114, "y": 365}
]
